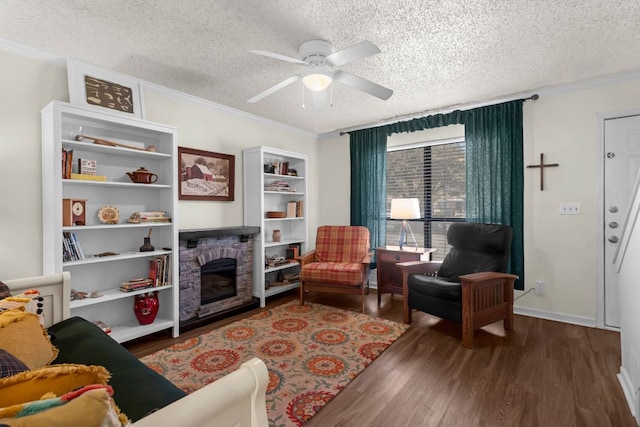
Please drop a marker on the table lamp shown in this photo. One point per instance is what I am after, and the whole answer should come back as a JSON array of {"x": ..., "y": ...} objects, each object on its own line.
[{"x": 405, "y": 209}]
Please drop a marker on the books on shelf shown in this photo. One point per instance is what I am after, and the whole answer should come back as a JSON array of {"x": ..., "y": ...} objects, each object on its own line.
[
  {"x": 293, "y": 251},
  {"x": 291, "y": 210},
  {"x": 159, "y": 275},
  {"x": 136, "y": 285},
  {"x": 278, "y": 185},
  {"x": 71, "y": 248},
  {"x": 67, "y": 163},
  {"x": 277, "y": 168},
  {"x": 299, "y": 208},
  {"x": 84, "y": 177},
  {"x": 160, "y": 271}
]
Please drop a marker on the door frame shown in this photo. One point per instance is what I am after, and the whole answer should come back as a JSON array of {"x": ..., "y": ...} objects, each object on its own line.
[{"x": 601, "y": 117}]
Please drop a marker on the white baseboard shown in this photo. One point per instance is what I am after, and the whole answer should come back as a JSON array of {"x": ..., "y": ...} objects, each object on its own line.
[
  {"x": 531, "y": 312},
  {"x": 633, "y": 400},
  {"x": 558, "y": 317}
]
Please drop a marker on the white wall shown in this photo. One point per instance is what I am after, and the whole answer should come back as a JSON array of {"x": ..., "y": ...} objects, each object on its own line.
[
  {"x": 561, "y": 250},
  {"x": 205, "y": 128},
  {"x": 27, "y": 85}
]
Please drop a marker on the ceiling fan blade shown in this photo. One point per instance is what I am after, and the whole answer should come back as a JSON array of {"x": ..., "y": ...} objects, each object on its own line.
[
  {"x": 273, "y": 89},
  {"x": 278, "y": 56},
  {"x": 352, "y": 53},
  {"x": 363, "y": 84}
]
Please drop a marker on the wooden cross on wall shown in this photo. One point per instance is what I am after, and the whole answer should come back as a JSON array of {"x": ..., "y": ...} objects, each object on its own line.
[{"x": 542, "y": 165}]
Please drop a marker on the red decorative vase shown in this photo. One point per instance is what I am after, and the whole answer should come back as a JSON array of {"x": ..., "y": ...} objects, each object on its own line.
[{"x": 146, "y": 307}]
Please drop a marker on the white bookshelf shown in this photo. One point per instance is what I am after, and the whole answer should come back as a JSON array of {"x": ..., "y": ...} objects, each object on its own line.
[
  {"x": 104, "y": 274},
  {"x": 258, "y": 201}
]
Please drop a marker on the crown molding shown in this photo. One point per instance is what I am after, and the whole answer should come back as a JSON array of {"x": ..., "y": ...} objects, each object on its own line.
[
  {"x": 32, "y": 52},
  {"x": 542, "y": 91}
]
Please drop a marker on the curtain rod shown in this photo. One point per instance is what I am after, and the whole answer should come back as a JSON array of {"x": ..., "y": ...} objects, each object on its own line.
[{"x": 533, "y": 97}]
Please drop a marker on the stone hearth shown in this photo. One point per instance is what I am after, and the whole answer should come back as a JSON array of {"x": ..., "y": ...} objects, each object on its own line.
[{"x": 198, "y": 247}]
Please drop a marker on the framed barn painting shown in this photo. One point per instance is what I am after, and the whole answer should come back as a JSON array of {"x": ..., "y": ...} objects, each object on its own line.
[
  {"x": 100, "y": 89},
  {"x": 205, "y": 175}
]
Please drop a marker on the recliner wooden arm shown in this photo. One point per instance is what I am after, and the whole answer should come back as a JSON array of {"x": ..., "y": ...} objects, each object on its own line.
[
  {"x": 487, "y": 297},
  {"x": 307, "y": 258},
  {"x": 367, "y": 259},
  {"x": 486, "y": 275}
]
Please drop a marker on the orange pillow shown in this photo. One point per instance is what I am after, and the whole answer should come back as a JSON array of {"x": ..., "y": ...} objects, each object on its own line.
[
  {"x": 22, "y": 335},
  {"x": 57, "y": 379},
  {"x": 94, "y": 408}
]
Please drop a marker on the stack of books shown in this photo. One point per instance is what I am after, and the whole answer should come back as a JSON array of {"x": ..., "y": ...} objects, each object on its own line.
[
  {"x": 136, "y": 285},
  {"x": 278, "y": 186}
]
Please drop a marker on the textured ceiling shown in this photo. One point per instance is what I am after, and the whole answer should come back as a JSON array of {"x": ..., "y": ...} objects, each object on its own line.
[{"x": 434, "y": 54}]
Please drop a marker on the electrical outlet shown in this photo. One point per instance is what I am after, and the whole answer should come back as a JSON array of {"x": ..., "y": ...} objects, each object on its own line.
[
  {"x": 539, "y": 287},
  {"x": 570, "y": 209}
]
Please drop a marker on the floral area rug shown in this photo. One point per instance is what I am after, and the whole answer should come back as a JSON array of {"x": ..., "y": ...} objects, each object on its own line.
[{"x": 311, "y": 352}]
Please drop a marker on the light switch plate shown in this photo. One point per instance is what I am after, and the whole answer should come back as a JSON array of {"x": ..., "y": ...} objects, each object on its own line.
[{"x": 570, "y": 209}]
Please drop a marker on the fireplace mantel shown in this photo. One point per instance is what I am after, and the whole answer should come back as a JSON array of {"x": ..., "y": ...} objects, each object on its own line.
[{"x": 201, "y": 233}]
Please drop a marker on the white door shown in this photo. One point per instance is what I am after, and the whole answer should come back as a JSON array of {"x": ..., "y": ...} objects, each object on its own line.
[{"x": 621, "y": 164}]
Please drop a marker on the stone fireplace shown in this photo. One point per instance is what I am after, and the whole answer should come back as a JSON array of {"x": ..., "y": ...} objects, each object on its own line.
[{"x": 216, "y": 273}]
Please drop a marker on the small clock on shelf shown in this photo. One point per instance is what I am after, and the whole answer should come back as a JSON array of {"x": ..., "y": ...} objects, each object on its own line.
[{"x": 74, "y": 212}]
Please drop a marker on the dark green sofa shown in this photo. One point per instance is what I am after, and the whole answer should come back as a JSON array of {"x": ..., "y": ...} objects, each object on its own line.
[{"x": 138, "y": 390}]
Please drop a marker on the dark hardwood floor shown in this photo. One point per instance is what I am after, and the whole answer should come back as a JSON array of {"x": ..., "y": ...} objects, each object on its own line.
[{"x": 543, "y": 373}]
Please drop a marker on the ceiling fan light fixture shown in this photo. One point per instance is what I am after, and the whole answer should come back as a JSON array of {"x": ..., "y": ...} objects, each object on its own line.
[
  {"x": 317, "y": 81},
  {"x": 317, "y": 100}
]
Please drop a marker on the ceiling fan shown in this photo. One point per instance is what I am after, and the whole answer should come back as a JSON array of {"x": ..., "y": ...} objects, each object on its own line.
[{"x": 319, "y": 56}]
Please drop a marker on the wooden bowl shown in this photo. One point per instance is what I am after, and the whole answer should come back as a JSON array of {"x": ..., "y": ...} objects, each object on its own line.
[{"x": 276, "y": 214}]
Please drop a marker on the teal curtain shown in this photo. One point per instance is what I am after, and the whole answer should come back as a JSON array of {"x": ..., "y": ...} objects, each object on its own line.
[
  {"x": 427, "y": 122},
  {"x": 495, "y": 169},
  {"x": 495, "y": 173},
  {"x": 369, "y": 183}
]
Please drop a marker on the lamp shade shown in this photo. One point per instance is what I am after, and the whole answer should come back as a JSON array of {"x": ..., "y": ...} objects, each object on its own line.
[{"x": 405, "y": 209}]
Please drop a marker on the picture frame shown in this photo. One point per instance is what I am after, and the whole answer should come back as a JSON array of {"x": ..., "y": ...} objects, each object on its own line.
[
  {"x": 205, "y": 175},
  {"x": 101, "y": 89}
]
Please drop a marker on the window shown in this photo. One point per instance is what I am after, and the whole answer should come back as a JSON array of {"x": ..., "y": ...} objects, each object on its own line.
[{"x": 435, "y": 174}]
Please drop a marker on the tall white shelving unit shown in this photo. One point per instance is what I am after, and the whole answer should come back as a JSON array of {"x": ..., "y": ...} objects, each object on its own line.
[
  {"x": 104, "y": 274},
  {"x": 258, "y": 201}
]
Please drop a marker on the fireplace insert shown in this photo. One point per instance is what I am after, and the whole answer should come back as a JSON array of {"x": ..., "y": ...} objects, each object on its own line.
[{"x": 218, "y": 280}]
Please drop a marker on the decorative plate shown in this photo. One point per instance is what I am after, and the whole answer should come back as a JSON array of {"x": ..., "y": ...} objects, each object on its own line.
[{"x": 108, "y": 215}]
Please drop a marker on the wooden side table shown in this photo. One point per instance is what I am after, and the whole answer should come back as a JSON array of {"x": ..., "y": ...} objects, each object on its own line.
[{"x": 390, "y": 276}]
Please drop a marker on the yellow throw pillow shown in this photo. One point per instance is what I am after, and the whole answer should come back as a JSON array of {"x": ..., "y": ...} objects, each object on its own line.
[
  {"x": 57, "y": 379},
  {"x": 93, "y": 408},
  {"x": 22, "y": 335}
]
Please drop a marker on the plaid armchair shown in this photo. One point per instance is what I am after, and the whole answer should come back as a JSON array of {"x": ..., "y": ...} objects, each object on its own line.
[{"x": 339, "y": 263}]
